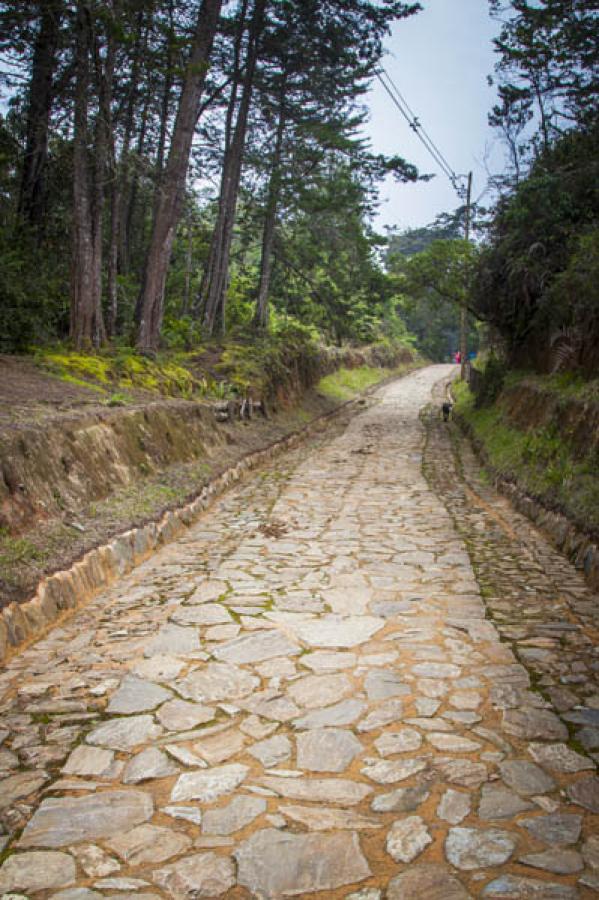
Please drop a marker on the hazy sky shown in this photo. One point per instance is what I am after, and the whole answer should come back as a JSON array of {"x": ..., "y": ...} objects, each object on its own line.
[{"x": 439, "y": 60}]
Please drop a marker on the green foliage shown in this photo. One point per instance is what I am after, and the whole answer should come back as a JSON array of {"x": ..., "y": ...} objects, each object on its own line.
[
  {"x": 347, "y": 383},
  {"x": 541, "y": 460},
  {"x": 490, "y": 381},
  {"x": 431, "y": 286},
  {"x": 536, "y": 282}
]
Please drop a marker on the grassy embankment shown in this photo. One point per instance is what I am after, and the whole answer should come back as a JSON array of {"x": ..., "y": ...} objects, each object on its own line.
[{"x": 544, "y": 459}]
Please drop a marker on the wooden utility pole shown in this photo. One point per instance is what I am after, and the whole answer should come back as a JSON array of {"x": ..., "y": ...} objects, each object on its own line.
[{"x": 463, "y": 322}]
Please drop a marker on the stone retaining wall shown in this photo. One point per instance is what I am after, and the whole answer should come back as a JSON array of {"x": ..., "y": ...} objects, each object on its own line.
[
  {"x": 61, "y": 592},
  {"x": 580, "y": 549}
]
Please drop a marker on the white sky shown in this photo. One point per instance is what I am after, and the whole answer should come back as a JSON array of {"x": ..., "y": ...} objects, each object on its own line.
[{"x": 439, "y": 59}]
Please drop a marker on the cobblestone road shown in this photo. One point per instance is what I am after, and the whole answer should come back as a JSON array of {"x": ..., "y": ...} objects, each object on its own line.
[{"x": 315, "y": 694}]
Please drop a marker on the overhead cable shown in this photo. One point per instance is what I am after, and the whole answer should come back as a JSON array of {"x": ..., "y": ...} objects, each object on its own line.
[{"x": 412, "y": 119}]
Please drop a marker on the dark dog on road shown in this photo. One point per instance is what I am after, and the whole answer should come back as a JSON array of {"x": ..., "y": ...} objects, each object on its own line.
[{"x": 446, "y": 408}]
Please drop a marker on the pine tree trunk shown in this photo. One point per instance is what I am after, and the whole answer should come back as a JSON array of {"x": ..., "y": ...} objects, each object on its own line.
[
  {"x": 82, "y": 299},
  {"x": 268, "y": 234},
  {"x": 218, "y": 267},
  {"x": 41, "y": 94},
  {"x": 170, "y": 192}
]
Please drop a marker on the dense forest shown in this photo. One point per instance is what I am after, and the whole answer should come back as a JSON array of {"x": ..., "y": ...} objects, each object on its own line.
[{"x": 173, "y": 172}]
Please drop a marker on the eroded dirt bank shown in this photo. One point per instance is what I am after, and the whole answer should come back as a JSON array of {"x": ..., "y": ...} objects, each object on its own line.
[{"x": 346, "y": 680}]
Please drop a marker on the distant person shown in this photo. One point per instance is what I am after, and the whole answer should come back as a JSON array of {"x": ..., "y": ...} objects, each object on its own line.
[
  {"x": 447, "y": 407},
  {"x": 458, "y": 357}
]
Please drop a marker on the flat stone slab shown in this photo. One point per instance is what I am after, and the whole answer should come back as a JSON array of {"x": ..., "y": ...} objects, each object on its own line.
[
  {"x": 381, "y": 684},
  {"x": 324, "y": 818},
  {"x": 136, "y": 695},
  {"x": 388, "y": 771},
  {"x": 85, "y": 760},
  {"x": 318, "y": 790},
  {"x": 338, "y": 631},
  {"x": 407, "y": 838},
  {"x": 344, "y": 713},
  {"x": 196, "y": 876},
  {"x": 512, "y": 887},
  {"x": 209, "y": 785},
  {"x": 217, "y": 748},
  {"x": 173, "y": 640},
  {"x": 555, "y": 829},
  {"x": 274, "y": 864},
  {"x": 36, "y": 871},
  {"x": 317, "y": 691},
  {"x": 436, "y": 670},
  {"x": 329, "y": 661},
  {"x": 498, "y": 802},
  {"x": 158, "y": 668},
  {"x": 61, "y": 821},
  {"x": 216, "y": 681},
  {"x": 207, "y": 614},
  {"x": 454, "y": 806},
  {"x": 474, "y": 848},
  {"x": 401, "y": 800},
  {"x": 462, "y": 772},
  {"x": 94, "y": 861},
  {"x": 557, "y": 860},
  {"x": 150, "y": 763},
  {"x": 386, "y": 713},
  {"x": 531, "y": 724},
  {"x": 256, "y": 647},
  {"x": 430, "y": 881},
  {"x": 525, "y": 777},
  {"x": 403, "y": 741},
  {"x": 327, "y": 749},
  {"x": 180, "y": 715},
  {"x": 586, "y": 793},
  {"x": 15, "y": 787},
  {"x": 452, "y": 743},
  {"x": 272, "y": 751},
  {"x": 125, "y": 733},
  {"x": 560, "y": 757},
  {"x": 149, "y": 844},
  {"x": 234, "y": 816}
]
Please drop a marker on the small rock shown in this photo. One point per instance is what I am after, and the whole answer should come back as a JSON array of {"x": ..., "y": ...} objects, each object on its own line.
[
  {"x": 586, "y": 793},
  {"x": 94, "y": 861},
  {"x": 473, "y": 848},
  {"x": 272, "y": 751},
  {"x": 454, "y": 807},
  {"x": 498, "y": 802},
  {"x": 234, "y": 816},
  {"x": 36, "y": 871},
  {"x": 526, "y": 777},
  {"x": 327, "y": 750},
  {"x": 149, "y": 844},
  {"x": 426, "y": 882},
  {"x": 512, "y": 887},
  {"x": 559, "y": 757},
  {"x": 209, "y": 785},
  {"x": 150, "y": 763},
  {"x": 200, "y": 875},
  {"x": 407, "y": 839},
  {"x": 560, "y": 862},
  {"x": 402, "y": 741},
  {"x": 388, "y": 772},
  {"x": 557, "y": 828},
  {"x": 401, "y": 800}
]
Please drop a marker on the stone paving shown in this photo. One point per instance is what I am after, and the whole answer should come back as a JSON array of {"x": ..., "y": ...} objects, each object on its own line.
[{"x": 314, "y": 693}]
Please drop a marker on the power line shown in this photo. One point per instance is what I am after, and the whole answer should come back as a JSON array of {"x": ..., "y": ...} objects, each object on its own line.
[
  {"x": 413, "y": 121},
  {"x": 418, "y": 125}
]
